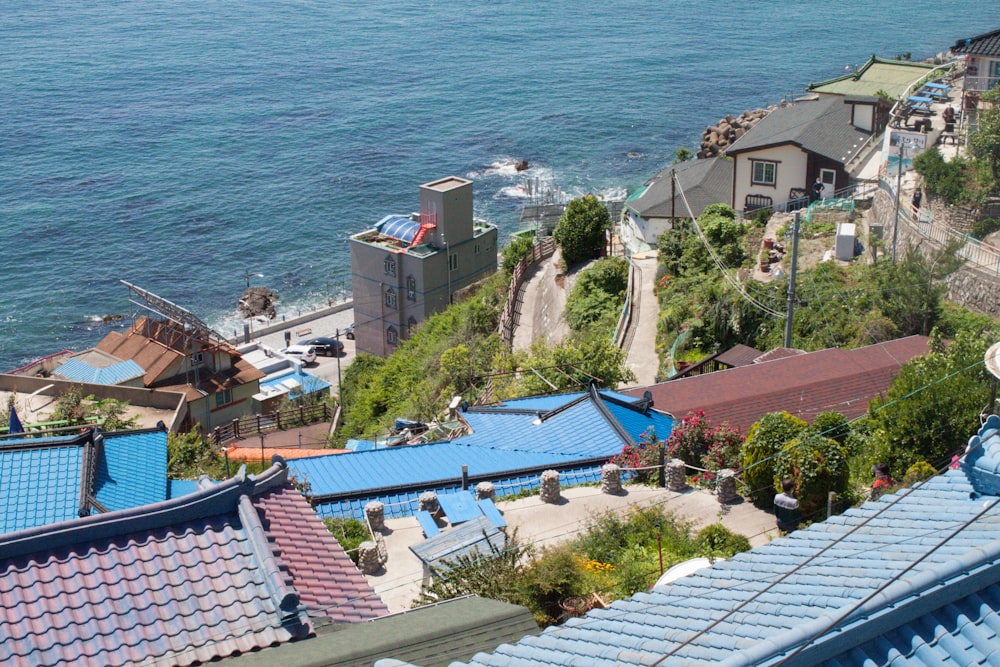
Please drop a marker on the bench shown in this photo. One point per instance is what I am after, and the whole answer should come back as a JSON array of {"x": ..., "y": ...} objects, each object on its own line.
[
  {"x": 491, "y": 512},
  {"x": 427, "y": 522}
]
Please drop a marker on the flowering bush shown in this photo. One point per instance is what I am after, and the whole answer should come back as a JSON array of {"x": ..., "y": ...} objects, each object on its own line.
[
  {"x": 696, "y": 442},
  {"x": 643, "y": 455}
]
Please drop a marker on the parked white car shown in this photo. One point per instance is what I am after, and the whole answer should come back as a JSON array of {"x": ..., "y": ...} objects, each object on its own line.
[{"x": 305, "y": 353}]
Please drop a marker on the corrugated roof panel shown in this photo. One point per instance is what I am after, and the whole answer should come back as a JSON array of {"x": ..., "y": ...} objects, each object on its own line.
[
  {"x": 133, "y": 470},
  {"x": 78, "y": 371},
  {"x": 411, "y": 464},
  {"x": 398, "y": 227},
  {"x": 39, "y": 486}
]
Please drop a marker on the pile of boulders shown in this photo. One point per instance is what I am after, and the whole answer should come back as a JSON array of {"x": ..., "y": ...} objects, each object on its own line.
[
  {"x": 258, "y": 302},
  {"x": 717, "y": 138}
]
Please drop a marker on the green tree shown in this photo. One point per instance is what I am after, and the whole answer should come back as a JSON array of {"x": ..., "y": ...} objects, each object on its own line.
[
  {"x": 683, "y": 154},
  {"x": 189, "y": 456},
  {"x": 932, "y": 407},
  {"x": 580, "y": 231},
  {"x": 765, "y": 439},
  {"x": 518, "y": 248},
  {"x": 984, "y": 143},
  {"x": 818, "y": 465},
  {"x": 594, "y": 305}
]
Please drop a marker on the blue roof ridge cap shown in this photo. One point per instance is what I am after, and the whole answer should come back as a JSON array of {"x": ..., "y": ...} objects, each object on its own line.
[
  {"x": 88, "y": 470},
  {"x": 981, "y": 462},
  {"x": 615, "y": 425},
  {"x": 215, "y": 500},
  {"x": 562, "y": 408},
  {"x": 496, "y": 410},
  {"x": 19, "y": 444},
  {"x": 893, "y": 602},
  {"x": 284, "y": 596}
]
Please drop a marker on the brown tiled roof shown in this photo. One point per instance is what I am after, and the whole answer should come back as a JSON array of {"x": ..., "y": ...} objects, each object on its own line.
[
  {"x": 326, "y": 579},
  {"x": 738, "y": 355},
  {"x": 158, "y": 358},
  {"x": 805, "y": 385},
  {"x": 778, "y": 353}
]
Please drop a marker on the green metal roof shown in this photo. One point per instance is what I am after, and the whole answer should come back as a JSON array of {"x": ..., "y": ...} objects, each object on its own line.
[{"x": 891, "y": 76}]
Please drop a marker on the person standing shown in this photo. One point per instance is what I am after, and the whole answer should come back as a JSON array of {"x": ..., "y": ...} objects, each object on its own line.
[
  {"x": 817, "y": 189},
  {"x": 786, "y": 507}
]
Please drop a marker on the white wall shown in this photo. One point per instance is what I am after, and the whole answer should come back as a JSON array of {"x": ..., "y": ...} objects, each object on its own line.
[{"x": 791, "y": 173}]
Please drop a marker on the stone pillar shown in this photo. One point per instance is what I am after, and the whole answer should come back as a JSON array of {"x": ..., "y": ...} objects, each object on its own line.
[
  {"x": 676, "y": 476},
  {"x": 611, "y": 479},
  {"x": 368, "y": 558},
  {"x": 428, "y": 501},
  {"x": 375, "y": 513},
  {"x": 484, "y": 490},
  {"x": 549, "y": 491},
  {"x": 725, "y": 486}
]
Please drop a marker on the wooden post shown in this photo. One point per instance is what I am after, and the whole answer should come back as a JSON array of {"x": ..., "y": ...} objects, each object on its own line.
[{"x": 236, "y": 428}]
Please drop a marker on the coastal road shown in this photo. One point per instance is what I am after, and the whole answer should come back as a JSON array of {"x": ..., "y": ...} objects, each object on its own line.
[{"x": 641, "y": 354}]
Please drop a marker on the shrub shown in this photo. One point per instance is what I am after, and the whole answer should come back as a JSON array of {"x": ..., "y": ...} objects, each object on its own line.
[
  {"x": 349, "y": 533},
  {"x": 696, "y": 442},
  {"x": 717, "y": 541},
  {"x": 832, "y": 425},
  {"x": 580, "y": 230},
  {"x": 518, "y": 248},
  {"x": 818, "y": 465},
  {"x": 765, "y": 438},
  {"x": 918, "y": 472}
]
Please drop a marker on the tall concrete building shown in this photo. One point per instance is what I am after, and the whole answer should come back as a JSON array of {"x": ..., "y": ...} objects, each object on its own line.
[{"x": 409, "y": 266}]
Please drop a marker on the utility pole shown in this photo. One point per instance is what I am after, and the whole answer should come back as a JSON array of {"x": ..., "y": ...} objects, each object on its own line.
[{"x": 791, "y": 283}]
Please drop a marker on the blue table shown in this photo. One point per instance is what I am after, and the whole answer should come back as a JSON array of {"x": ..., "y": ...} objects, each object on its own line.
[
  {"x": 938, "y": 86},
  {"x": 476, "y": 537},
  {"x": 459, "y": 507},
  {"x": 919, "y": 104}
]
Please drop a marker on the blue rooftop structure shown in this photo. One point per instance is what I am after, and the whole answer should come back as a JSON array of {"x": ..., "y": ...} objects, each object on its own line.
[
  {"x": 296, "y": 383},
  {"x": 78, "y": 371},
  {"x": 910, "y": 579},
  {"x": 398, "y": 227},
  {"x": 50, "y": 479},
  {"x": 510, "y": 445}
]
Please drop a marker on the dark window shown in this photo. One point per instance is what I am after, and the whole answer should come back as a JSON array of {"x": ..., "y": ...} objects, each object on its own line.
[
  {"x": 411, "y": 288},
  {"x": 390, "y": 298},
  {"x": 390, "y": 266},
  {"x": 391, "y": 336},
  {"x": 764, "y": 172}
]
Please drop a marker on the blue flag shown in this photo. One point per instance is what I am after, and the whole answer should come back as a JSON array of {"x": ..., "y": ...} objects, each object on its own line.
[{"x": 15, "y": 423}]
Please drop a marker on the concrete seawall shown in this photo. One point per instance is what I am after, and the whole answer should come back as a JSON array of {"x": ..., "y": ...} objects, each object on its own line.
[{"x": 298, "y": 320}]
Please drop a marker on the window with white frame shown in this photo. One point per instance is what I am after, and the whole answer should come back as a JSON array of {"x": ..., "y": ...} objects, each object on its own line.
[
  {"x": 764, "y": 172},
  {"x": 411, "y": 288},
  {"x": 391, "y": 336},
  {"x": 390, "y": 298},
  {"x": 390, "y": 265},
  {"x": 411, "y": 324}
]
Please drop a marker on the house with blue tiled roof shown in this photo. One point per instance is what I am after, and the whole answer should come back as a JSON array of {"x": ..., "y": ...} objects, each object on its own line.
[
  {"x": 508, "y": 444},
  {"x": 912, "y": 578},
  {"x": 48, "y": 479},
  {"x": 234, "y": 567}
]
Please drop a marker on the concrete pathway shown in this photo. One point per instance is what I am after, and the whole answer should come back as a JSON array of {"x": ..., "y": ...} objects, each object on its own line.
[
  {"x": 542, "y": 525},
  {"x": 640, "y": 345},
  {"x": 543, "y": 302}
]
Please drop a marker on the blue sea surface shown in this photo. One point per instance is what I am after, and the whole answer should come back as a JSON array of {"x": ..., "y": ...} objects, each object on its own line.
[{"x": 182, "y": 145}]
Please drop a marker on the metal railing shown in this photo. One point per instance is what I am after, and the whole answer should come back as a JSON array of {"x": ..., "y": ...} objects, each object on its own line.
[{"x": 243, "y": 427}]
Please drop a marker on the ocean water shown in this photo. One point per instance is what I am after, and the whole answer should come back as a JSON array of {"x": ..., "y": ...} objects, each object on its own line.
[{"x": 183, "y": 145}]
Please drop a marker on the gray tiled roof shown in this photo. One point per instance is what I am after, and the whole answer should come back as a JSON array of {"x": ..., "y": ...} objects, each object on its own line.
[
  {"x": 987, "y": 44},
  {"x": 821, "y": 126},
  {"x": 704, "y": 182}
]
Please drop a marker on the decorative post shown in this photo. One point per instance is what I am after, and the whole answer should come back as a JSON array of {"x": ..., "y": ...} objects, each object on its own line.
[
  {"x": 485, "y": 490},
  {"x": 375, "y": 513},
  {"x": 676, "y": 479},
  {"x": 549, "y": 490},
  {"x": 725, "y": 486},
  {"x": 429, "y": 502},
  {"x": 611, "y": 479},
  {"x": 368, "y": 558}
]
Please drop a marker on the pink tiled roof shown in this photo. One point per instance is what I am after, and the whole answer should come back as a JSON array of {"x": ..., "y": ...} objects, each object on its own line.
[
  {"x": 805, "y": 385},
  {"x": 328, "y": 582},
  {"x": 186, "y": 580}
]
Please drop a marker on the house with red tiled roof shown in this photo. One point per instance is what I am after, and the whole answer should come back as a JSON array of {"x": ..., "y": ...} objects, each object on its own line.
[
  {"x": 231, "y": 568},
  {"x": 804, "y": 384}
]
